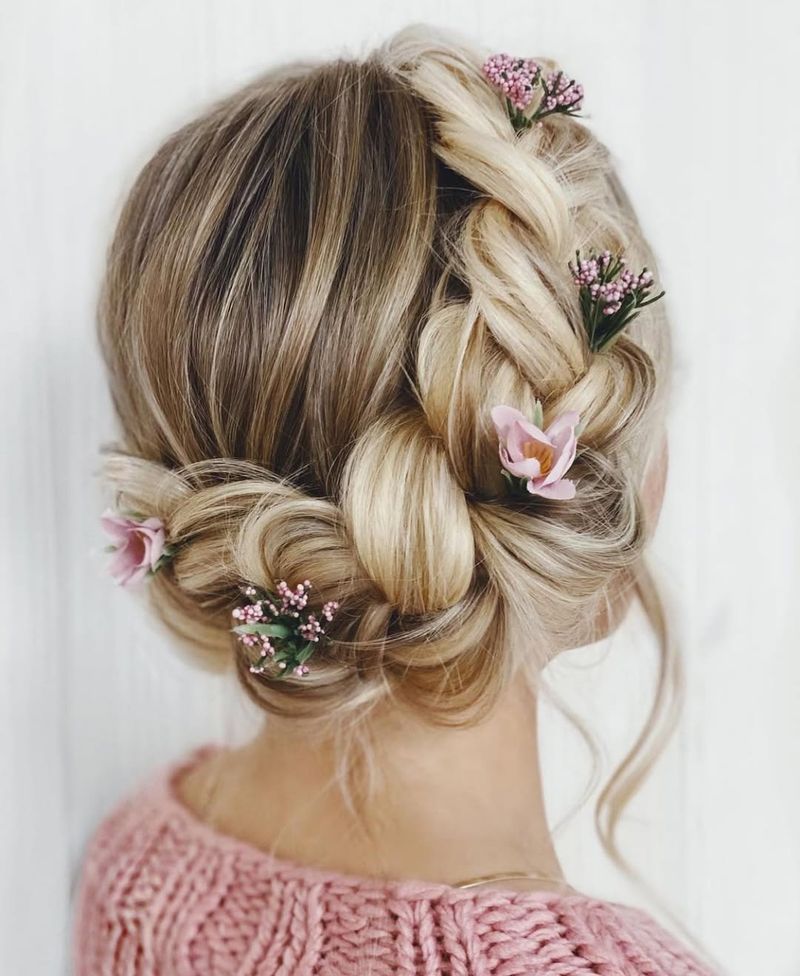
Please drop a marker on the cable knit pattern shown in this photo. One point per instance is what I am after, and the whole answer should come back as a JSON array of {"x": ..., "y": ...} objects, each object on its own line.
[{"x": 163, "y": 894}]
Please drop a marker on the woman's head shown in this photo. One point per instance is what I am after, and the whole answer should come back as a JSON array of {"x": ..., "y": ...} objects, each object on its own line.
[{"x": 316, "y": 293}]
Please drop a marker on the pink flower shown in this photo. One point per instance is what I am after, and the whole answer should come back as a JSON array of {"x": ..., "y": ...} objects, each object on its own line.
[
  {"x": 611, "y": 295},
  {"x": 518, "y": 79},
  {"x": 540, "y": 457},
  {"x": 515, "y": 77},
  {"x": 138, "y": 546}
]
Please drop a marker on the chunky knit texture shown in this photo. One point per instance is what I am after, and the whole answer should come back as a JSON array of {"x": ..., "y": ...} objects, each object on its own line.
[{"x": 163, "y": 894}]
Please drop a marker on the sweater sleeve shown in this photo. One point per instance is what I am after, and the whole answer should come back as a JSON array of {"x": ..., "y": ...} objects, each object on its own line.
[
  {"x": 91, "y": 930},
  {"x": 653, "y": 949},
  {"x": 105, "y": 935}
]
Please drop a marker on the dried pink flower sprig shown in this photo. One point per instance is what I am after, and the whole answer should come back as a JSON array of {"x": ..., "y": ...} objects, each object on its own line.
[
  {"x": 280, "y": 628},
  {"x": 611, "y": 295},
  {"x": 519, "y": 78}
]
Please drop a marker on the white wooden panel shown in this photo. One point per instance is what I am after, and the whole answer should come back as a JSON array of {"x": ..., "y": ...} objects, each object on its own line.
[{"x": 695, "y": 98}]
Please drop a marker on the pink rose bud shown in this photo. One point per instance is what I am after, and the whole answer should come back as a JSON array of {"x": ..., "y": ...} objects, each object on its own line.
[
  {"x": 541, "y": 456},
  {"x": 138, "y": 546}
]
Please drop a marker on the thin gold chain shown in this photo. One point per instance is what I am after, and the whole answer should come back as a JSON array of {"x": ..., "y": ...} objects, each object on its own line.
[
  {"x": 509, "y": 876},
  {"x": 211, "y": 788}
]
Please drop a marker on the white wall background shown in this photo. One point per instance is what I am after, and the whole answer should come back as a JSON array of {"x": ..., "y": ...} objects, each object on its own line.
[{"x": 697, "y": 101}]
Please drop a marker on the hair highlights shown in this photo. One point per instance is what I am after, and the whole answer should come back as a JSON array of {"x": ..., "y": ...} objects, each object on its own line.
[{"x": 316, "y": 292}]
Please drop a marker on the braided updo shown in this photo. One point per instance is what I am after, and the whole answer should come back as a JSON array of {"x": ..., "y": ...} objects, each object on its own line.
[{"x": 316, "y": 293}]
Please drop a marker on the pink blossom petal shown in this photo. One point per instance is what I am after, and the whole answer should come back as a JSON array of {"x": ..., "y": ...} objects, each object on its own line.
[
  {"x": 526, "y": 468},
  {"x": 570, "y": 419},
  {"x": 137, "y": 575},
  {"x": 152, "y": 530},
  {"x": 126, "y": 563},
  {"x": 564, "y": 489},
  {"x": 503, "y": 418},
  {"x": 520, "y": 434},
  {"x": 564, "y": 458},
  {"x": 115, "y": 526}
]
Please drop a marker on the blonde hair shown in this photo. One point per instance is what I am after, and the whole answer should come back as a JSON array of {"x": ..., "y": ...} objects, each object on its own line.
[{"x": 316, "y": 292}]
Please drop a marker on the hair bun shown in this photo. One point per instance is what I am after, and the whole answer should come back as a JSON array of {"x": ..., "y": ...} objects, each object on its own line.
[{"x": 335, "y": 273}]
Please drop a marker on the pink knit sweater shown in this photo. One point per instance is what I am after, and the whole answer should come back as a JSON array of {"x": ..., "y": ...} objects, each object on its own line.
[{"x": 163, "y": 894}]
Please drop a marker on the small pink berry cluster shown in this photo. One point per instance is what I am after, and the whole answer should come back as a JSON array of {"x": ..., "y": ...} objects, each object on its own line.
[
  {"x": 312, "y": 629},
  {"x": 250, "y": 613},
  {"x": 610, "y": 293},
  {"x": 585, "y": 271},
  {"x": 296, "y": 599},
  {"x": 258, "y": 640},
  {"x": 278, "y": 626},
  {"x": 561, "y": 94},
  {"x": 613, "y": 293},
  {"x": 518, "y": 78},
  {"x": 515, "y": 77}
]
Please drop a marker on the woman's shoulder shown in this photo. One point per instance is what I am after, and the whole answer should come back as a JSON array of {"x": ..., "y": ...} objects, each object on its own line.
[{"x": 160, "y": 884}]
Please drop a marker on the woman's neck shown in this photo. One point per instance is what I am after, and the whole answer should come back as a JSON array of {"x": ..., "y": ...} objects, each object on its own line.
[{"x": 447, "y": 805}]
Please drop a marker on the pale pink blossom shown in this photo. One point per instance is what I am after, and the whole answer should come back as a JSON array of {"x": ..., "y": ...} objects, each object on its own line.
[
  {"x": 539, "y": 457},
  {"x": 138, "y": 546}
]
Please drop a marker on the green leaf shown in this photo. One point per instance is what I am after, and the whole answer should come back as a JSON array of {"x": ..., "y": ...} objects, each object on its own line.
[
  {"x": 506, "y": 475},
  {"x": 271, "y": 630},
  {"x": 538, "y": 415},
  {"x": 136, "y": 516},
  {"x": 518, "y": 119},
  {"x": 305, "y": 653},
  {"x": 161, "y": 562},
  {"x": 651, "y": 300}
]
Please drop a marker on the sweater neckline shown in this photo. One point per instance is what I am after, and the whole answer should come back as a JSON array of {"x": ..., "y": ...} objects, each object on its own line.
[{"x": 192, "y": 824}]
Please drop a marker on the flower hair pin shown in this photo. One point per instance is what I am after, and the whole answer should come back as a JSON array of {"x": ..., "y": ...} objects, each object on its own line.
[
  {"x": 280, "y": 627},
  {"x": 535, "y": 460},
  {"x": 611, "y": 295},
  {"x": 140, "y": 546},
  {"x": 520, "y": 78}
]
